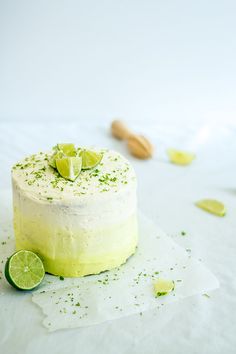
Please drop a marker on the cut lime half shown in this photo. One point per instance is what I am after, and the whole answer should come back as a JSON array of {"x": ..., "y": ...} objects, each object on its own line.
[
  {"x": 69, "y": 167},
  {"x": 24, "y": 270},
  {"x": 212, "y": 206},
  {"x": 180, "y": 157},
  {"x": 163, "y": 287}
]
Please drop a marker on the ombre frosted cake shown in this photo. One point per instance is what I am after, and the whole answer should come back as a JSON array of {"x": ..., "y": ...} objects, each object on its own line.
[{"x": 81, "y": 227}]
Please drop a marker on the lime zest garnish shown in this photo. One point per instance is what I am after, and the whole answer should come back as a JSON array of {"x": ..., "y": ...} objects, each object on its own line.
[
  {"x": 163, "y": 287},
  {"x": 24, "y": 270},
  {"x": 212, "y": 206},
  {"x": 180, "y": 157},
  {"x": 90, "y": 159},
  {"x": 69, "y": 167}
]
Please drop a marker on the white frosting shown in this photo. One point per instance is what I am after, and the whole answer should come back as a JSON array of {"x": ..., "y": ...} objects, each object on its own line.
[{"x": 105, "y": 194}]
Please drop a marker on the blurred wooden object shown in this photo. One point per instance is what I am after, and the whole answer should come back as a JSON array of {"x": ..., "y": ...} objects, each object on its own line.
[{"x": 138, "y": 145}]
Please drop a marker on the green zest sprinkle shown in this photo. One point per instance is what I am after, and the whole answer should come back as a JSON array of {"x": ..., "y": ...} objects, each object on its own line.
[{"x": 37, "y": 173}]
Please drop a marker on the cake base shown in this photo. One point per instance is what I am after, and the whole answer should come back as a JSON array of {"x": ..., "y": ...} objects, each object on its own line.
[
  {"x": 76, "y": 253},
  {"x": 74, "y": 268}
]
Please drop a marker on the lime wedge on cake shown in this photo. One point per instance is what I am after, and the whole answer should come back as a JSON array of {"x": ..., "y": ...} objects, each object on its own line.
[
  {"x": 68, "y": 161},
  {"x": 56, "y": 155},
  {"x": 67, "y": 149},
  {"x": 69, "y": 167},
  {"x": 163, "y": 287},
  {"x": 90, "y": 159},
  {"x": 24, "y": 270},
  {"x": 179, "y": 157},
  {"x": 212, "y": 206}
]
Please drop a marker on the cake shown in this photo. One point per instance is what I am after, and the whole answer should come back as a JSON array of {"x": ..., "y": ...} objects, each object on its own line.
[{"x": 78, "y": 227}]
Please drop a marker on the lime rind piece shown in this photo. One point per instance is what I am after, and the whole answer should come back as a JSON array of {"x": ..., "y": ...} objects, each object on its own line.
[
  {"x": 90, "y": 159},
  {"x": 163, "y": 287},
  {"x": 69, "y": 167},
  {"x": 24, "y": 270},
  {"x": 212, "y": 206},
  {"x": 180, "y": 157}
]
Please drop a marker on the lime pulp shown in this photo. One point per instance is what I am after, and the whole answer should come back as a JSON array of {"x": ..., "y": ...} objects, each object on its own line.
[
  {"x": 90, "y": 159},
  {"x": 24, "y": 270},
  {"x": 163, "y": 287},
  {"x": 69, "y": 167},
  {"x": 212, "y": 206}
]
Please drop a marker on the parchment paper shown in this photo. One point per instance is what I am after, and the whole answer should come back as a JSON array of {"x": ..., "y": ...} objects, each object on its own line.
[{"x": 121, "y": 292}]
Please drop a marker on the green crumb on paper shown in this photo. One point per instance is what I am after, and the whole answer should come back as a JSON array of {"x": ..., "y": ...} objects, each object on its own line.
[
  {"x": 61, "y": 277},
  {"x": 161, "y": 293},
  {"x": 183, "y": 233},
  {"x": 206, "y": 295},
  {"x": 78, "y": 304}
]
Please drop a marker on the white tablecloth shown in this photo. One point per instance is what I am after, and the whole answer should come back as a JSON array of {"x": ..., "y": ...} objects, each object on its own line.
[{"x": 167, "y": 193}]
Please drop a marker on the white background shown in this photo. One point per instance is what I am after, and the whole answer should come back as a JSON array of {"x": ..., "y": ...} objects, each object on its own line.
[
  {"x": 159, "y": 65},
  {"x": 141, "y": 60}
]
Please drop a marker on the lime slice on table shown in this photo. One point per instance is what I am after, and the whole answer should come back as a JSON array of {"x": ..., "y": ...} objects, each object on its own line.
[
  {"x": 69, "y": 167},
  {"x": 67, "y": 149},
  {"x": 24, "y": 270},
  {"x": 212, "y": 206},
  {"x": 163, "y": 287},
  {"x": 90, "y": 159},
  {"x": 180, "y": 157}
]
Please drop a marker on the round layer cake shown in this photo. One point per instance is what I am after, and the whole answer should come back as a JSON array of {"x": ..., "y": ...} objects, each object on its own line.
[{"x": 81, "y": 227}]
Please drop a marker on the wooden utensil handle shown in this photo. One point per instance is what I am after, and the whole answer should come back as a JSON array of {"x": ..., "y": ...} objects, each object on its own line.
[{"x": 119, "y": 130}]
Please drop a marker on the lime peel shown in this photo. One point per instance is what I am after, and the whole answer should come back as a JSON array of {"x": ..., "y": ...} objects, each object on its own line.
[
  {"x": 212, "y": 206},
  {"x": 163, "y": 287},
  {"x": 180, "y": 157}
]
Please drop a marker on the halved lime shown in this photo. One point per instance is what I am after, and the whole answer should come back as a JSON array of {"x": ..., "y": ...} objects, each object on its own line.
[
  {"x": 24, "y": 270},
  {"x": 69, "y": 167},
  {"x": 180, "y": 157},
  {"x": 212, "y": 206},
  {"x": 67, "y": 149},
  {"x": 163, "y": 287},
  {"x": 90, "y": 159}
]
